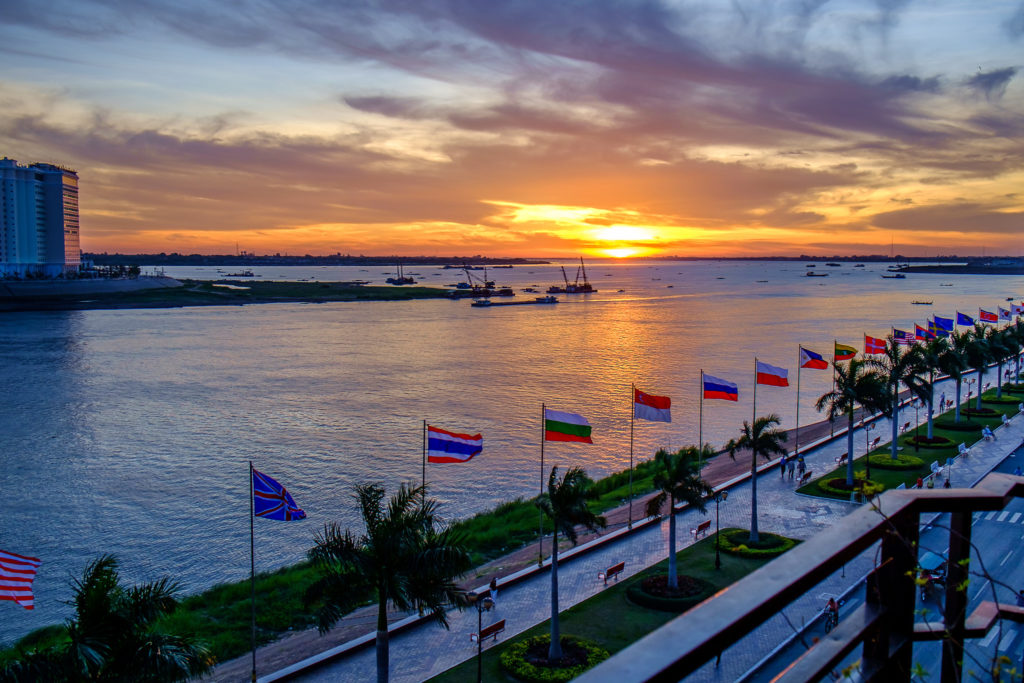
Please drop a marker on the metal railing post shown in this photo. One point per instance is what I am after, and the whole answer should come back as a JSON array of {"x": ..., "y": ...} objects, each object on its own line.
[{"x": 955, "y": 612}]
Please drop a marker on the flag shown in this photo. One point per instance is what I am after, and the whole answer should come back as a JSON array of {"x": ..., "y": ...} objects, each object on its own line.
[
  {"x": 844, "y": 352},
  {"x": 936, "y": 330},
  {"x": 1017, "y": 309},
  {"x": 922, "y": 334},
  {"x": 16, "y": 574},
  {"x": 962, "y": 319},
  {"x": 987, "y": 317},
  {"x": 771, "y": 375},
  {"x": 444, "y": 446},
  {"x": 902, "y": 338},
  {"x": 559, "y": 426},
  {"x": 272, "y": 501},
  {"x": 720, "y": 388},
  {"x": 873, "y": 345},
  {"x": 1003, "y": 313},
  {"x": 810, "y": 359},
  {"x": 651, "y": 407},
  {"x": 944, "y": 324}
]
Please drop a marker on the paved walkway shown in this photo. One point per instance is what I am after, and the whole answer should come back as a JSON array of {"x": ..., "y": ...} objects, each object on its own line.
[{"x": 425, "y": 650}]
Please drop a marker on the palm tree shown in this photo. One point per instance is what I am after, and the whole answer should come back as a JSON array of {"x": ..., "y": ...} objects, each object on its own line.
[
  {"x": 931, "y": 355},
  {"x": 1015, "y": 337},
  {"x": 857, "y": 383},
  {"x": 954, "y": 363},
  {"x": 114, "y": 635},
  {"x": 978, "y": 356},
  {"x": 677, "y": 478},
  {"x": 406, "y": 558},
  {"x": 1000, "y": 347},
  {"x": 565, "y": 504},
  {"x": 762, "y": 438},
  {"x": 901, "y": 365}
]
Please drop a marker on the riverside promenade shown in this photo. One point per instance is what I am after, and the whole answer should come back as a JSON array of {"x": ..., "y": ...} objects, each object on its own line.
[{"x": 421, "y": 650}]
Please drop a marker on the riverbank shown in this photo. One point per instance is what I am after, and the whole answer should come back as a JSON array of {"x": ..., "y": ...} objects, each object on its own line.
[{"x": 226, "y": 292}]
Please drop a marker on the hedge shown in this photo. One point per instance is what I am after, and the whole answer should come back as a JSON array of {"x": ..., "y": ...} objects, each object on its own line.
[
  {"x": 873, "y": 486},
  {"x": 734, "y": 541},
  {"x": 903, "y": 461},
  {"x": 513, "y": 659},
  {"x": 637, "y": 594},
  {"x": 939, "y": 442}
]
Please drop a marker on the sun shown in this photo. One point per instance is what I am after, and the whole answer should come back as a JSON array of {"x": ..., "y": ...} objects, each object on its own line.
[{"x": 621, "y": 252}]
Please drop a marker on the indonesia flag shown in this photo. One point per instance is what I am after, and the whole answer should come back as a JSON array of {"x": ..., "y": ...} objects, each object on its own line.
[
  {"x": 810, "y": 359},
  {"x": 16, "y": 574},
  {"x": 987, "y": 316},
  {"x": 720, "y": 388},
  {"x": 445, "y": 446},
  {"x": 651, "y": 407},
  {"x": 873, "y": 345},
  {"x": 771, "y": 375}
]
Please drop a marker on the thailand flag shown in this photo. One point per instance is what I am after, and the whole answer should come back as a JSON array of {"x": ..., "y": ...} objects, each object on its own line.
[
  {"x": 1003, "y": 313},
  {"x": 651, "y": 407},
  {"x": 873, "y": 345},
  {"x": 444, "y": 446},
  {"x": 272, "y": 501},
  {"x": 987, "y": 316},
  {"x": 771, "y": 375},
  {"x": 963, "y": 319},
  {"x": 720, "y": 388},
  {"x": 810, "y": 359}
]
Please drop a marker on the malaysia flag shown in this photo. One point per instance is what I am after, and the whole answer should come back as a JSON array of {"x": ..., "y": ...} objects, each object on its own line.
[
  {"x": 445, "y": 446},
  {"x": 902, "y": 338},
  {"x": 16, "y": 574}
]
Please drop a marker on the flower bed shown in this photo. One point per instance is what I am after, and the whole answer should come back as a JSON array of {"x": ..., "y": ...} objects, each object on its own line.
[
  {"x": 736, "y": 542},
  {"x": 653, "y": 592},
  {"x": 527, "y": 659},
  {"x": 903, "y": 461}
]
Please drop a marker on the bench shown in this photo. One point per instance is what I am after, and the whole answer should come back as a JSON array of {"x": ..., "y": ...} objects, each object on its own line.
[
  {"x": 491, "y": 631},
  {"x": 806, "y": 478},
  {"x": 612, "y": 572},
  {"x": 701, "y": 529}
]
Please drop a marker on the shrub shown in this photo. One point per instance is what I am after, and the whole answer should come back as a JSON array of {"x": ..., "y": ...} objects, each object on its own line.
[
  {"x": 837, "y": 486},
  {"x": 903, "y": 461},
  {"x": 513, "y": 659},
  {"x": 737, "y": 542},
  {"x": 925, "y": 442},
  {"x": 961, "y": 426}
]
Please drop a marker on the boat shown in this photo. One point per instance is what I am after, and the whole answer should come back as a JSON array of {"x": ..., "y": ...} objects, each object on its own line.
[
  {"x": 859, "y": 265},
  {"x": 487, "y": 303},
  {"x": 576, "y": 287},
  {"x": 834, "y": 265},
  {"x": 895, "y": 276},
  {"x": 400, "y": 278},
  {"x": 811, "y": 273},
  {"x": 921, "y": 303},
  {"x": 241, "y": 273},
  {"x": 810, "y": 266}
]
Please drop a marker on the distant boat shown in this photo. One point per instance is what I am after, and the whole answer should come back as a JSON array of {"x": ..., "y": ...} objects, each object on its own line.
[
  {"x": 575, "y": 287},
  {"x": 487, "y": 303},
  {"x": 811, "y": 273},
  {"x": 859, "y": 265},
  {"x": 400, "y": 278},
  {"x": 810, "y": 266},
  {"x": 921, "y": 303},
  {"x": 895, "y": 276},
  {"x": 834, "y": 265},
  {"x": 241, "y": 273}
]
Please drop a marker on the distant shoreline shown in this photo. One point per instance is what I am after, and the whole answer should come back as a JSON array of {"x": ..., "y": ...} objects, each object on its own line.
[{"x": 969, "y": 269}]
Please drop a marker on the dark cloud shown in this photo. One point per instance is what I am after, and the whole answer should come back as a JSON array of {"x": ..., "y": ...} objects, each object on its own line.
[
  {"x": 992, "y": 83},
  {"x": 955, "y": 218},
  {"x": 1015, "y": 24}
]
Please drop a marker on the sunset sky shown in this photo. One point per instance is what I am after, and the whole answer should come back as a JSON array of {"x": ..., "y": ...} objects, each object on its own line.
[{"x": 526, "y": 127}]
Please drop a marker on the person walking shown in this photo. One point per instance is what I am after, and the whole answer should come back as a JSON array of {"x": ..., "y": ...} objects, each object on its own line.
[
  {"x": 494, "y": 590},
  {"x": 801, "y": 467},
  {"x": 782, "y": 466},
  {"x": 792, "y": 468}
]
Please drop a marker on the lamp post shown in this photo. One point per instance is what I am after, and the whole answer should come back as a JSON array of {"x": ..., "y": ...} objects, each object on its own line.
[
  {"x": 917, "y": 425},
  {"x": 484, "y": 602},
  {"x": 720, "y": 497},
  {"x": 867, "y": 450},
  {"x": 970, "y": 392}
]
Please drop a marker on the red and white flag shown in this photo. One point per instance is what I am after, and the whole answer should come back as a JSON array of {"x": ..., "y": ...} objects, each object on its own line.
[
  {"x": 650, "y": 407},
  {"x": 873, "y": 345},
  {"x": 16, "y": 574},
  {"x": 770, "y": 374}
]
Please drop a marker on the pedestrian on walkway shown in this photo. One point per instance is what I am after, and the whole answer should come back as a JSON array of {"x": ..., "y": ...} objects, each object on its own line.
[
  {"x": 946, "y": 485},
  {"x": 782, "y": 466},
  {"x": 792, "y": 468},
  {"x": 1020, "y": 598},
  {"x": 801, "y": 466},
  {"x": 494, "y": 590},
  {"x": 1017, "y": 472},
  {"x": 919, "y": 484},
  {"x": 942, "y": 402}
]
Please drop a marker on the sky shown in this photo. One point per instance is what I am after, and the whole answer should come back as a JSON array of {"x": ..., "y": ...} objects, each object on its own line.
[{"x": 526, "y": 127}]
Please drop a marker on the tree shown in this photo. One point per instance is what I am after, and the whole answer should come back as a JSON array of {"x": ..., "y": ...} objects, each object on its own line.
[
  {"x": 931, "y": 355},
  {"x": 857, "y": 384},
  {"x": 114, "y": 635},
  {"x": 762, "y": 438},
  {"x": 406, "y": 558},
  {"x": 953, "y": 362},
  {"x": 565, "y": 504},
  {"x": 901, "y": 365},
  {"x": 677, "y": 478},
  {"x": 1000, "y": 346},
  {"x": 978, "y": 356}
]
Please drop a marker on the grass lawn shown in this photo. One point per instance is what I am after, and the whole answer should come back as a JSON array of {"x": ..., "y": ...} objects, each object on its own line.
[
  {"x": 609, "y": 618},
  {"x": 967, "y": 432}
]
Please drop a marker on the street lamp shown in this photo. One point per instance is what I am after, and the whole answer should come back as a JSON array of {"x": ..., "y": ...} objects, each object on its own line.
[
  {"x": 970, "y": 392},
  {"x": 867, "y": 449},
  {"x": 720, "y": 497},
  {"x": 917, "y": 425},
  {"x": 484, "y": 602}
]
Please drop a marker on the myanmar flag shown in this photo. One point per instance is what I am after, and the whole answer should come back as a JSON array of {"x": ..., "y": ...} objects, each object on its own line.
[
  {"x": 559, "y": 426},
  {"x": 844, "y": 352}
]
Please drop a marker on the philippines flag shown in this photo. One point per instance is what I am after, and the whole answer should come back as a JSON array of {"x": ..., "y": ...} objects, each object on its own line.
[
  {"x": 922, "y": 334},
  {"x": 902, "y": 338},
  {"x": 962, "y": 319},
  {"x": 720, "y": 388},
  {"x": 445, "y": 446},
  {"x": 944, "y": 324},
  {"x": 16, "y": 574},
  {"x": 810, "y": 359},
  {"x": 272, "y": 501},
  {"x": 987, "y": 316},
  {"x": 873, "y": 345},
  {"x": 1003, "y": 313},
  {"x": 771, "y": 375},
  {"x": 651, "y": 407}
]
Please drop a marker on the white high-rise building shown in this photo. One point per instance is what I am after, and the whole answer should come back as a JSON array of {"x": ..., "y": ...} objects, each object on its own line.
[{"x": 38, "y": 220}]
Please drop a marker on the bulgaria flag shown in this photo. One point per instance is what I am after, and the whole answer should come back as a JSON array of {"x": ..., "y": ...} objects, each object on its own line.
[
  {"x": 873, "y": 345},
  {"x": 771, "y": 375},
  {"x": 651, "y": 407},
  {"x": 987, "y": 316},
  {"x": 844, "y": 352},
  {"x": 559, "y": 426},
  {"x": 810, "y": 359}
]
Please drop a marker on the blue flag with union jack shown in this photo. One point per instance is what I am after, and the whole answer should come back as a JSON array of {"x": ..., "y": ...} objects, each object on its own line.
[{"x": 270, "y": 500}]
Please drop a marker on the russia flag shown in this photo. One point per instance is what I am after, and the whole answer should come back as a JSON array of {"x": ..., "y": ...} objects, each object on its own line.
[
  {"x": 720, "y": 388},
  {"x": 444, "y": 446}
]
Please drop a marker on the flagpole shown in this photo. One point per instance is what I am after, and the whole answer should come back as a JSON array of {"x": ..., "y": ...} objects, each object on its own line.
[
  {"x": 540, "y": 533},
  {"x": 832, "y": 423},
  {"x": 754, "y": 419},
  {"x": 796, "y": 444},
  {"x": 632, "y": 420},
  {"x": 424, "y": 458},
  {"x": 252, "y": 573},
  {"x": 700, "y": 425}
]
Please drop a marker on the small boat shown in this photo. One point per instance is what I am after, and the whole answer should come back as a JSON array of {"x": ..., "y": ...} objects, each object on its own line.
[
  {"x": 576, "y": 287},
  {"x": 834, "y": 265},
  {"x": 811, "y": 273},
  {"x": 487, "y": 303},
  {"x": 921, "y": 303},
  {"x": 859, "y": 265},
  {"x": 895, "y": 276},
  {"x": 810, "y": 266},
  {"x": 241, "y": 273},
  {"x": 400, "y": 278}
]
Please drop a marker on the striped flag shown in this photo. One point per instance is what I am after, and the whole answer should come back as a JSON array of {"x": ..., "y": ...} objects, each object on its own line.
[
  {"x": 873, "y": 345},
  {"x": 559, "y": 426},
  {"x": 771, "y": 375},
  {"x": 272, "y": 501},
  {"x": 810, "y": 359},
  {"x": 987, "y": 316},
  {"x": 720, "y": 388},
  {"x": 844, "y": 352},
  {"x": 902, "y": 338},
  {"x": 445, "y": 446},
  {"x": 16, "y": 574},
  {"x": 651, "y": 407}
]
